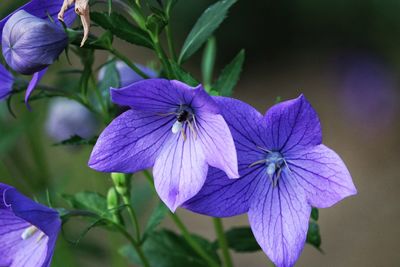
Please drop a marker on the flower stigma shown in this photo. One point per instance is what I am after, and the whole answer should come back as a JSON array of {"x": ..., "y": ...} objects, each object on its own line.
[{"x": 274, "y": 162}]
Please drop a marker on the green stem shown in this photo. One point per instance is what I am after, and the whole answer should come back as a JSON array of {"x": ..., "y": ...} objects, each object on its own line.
[
  {"x": 185, "y": 232},
  {"x": 170, "y": 43},
  {"x": 128, "y": 62},
  {"x": 132, "y": 215},
  {"x": 223, "y": 244},
  {"x": 188, "y": 237}
]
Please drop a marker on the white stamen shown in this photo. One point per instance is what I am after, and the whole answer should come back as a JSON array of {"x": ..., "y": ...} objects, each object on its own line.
[
  {"x": 176, "y": 127},
  {"x": 28, "y": 232},
  {"x": 271, "y": 168}
]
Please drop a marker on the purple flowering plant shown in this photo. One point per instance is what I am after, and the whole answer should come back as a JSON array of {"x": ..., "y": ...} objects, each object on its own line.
[{"x": 198, "y": 148}]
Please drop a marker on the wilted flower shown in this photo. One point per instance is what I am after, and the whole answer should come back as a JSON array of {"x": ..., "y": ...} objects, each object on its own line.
[
  {"x": 285, "y": 170},
  {"x": 28, "y": 230},
  {"x": 172, "y": 126},
  {"x": 67, "y": 118},
  {"x": 128, "y": 76},
  {"x": 30, "y": 44},
  {"x": 6, "y": 82},
  {"x": 82, "y": 9}
]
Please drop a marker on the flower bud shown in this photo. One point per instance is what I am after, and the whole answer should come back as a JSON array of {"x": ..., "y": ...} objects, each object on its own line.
[
  {"x": 127, "y": 76},
  {"x": 67, "y": 118},
  {"x": 121, "y": 182},
  {"x": 30, "y": 44}
]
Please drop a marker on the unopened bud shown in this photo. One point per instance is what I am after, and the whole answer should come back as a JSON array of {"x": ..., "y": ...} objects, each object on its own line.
[{"x": 30, "y": 44}]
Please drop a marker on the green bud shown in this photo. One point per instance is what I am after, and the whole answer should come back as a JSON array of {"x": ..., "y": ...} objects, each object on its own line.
[
  {"x": 112, "y": 199},
  {"x": 121, "y": 182}
]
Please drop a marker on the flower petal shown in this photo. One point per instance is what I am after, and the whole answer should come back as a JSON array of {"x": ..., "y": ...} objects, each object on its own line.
[
  {"x": 42, "y": 9},
  {"x": 6, "y": 82},
  {"x": 292, "y": 125},
  {"x": 131, "y": 142},
  {"x": 323, "y": 175},
  {"x": 32, "y": 84},
  {"x": 217, "y": 143},
  {"x": 163, "y": 96},
  {"x": 221, "y": 196},
  {"x": 224, "y": 197},
  {"x": 279, "y": 219},
  {"x": 180, "y": 170},
  {"x": 16, "y": 252}
]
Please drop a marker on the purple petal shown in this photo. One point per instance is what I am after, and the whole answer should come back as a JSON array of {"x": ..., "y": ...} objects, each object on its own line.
[
  {"x": 163, "y": 96},
  {"x": 292, "y": 125},
  {"x": 16, "y": 252},
  {"x": 279, "y": 219},
  {"x": 221, "y": 196},
  {"x": 131, "y": 142},
  {"x": 217, "y": 143},
  {"x": 6, "y": 82},
  {"x": 17, "y": 213},
  {"x": 32, "y": 84},
  {"x": 323, "y": 175},
  {"x": 42, "y": 9},
  {"x": 180, "y": 170}
]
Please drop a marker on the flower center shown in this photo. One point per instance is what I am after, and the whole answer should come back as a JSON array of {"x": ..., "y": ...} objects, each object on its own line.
[
  {"x": 184, "y": 116},
  {"x": 275, "y": 162}
]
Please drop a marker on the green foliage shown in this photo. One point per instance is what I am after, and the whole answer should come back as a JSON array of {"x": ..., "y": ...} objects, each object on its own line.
[
  {"x": 241, "y": 239},
  {"x": 208, "y": 62},
  {"x": 155, "y": 219},
  {"x": 122, "y": 28},
  {"x": 110, "y": 79},
  {"x": 314, "y": 214},
  {"x": 76, "y": 140},
  {"x": 313, "y": 235},
  {"x": 208, "y": 22},
  {"x": 88, "y": 201},
  {"x": 230, "y": 75},
  {"x": 165, "y": 248},
  {"x": 183, "y": 75}
]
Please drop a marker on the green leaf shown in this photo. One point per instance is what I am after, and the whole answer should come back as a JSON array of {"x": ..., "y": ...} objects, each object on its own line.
[
  {"x": 90, "y": 201},
  {"x": 110, "y": 78},
  {"x": 314, "y": 214},
  {"x": 182, "y": 75},
  {"x": 76, "y": 140},
  {"x": 156, "y": 218},
  {"x": 208, "y": 62},
  {"x": 313, "y": 235},
  {"x": 165, "y": 248},
  {"x": 122, "y": 28},
  {"x": 204, "y": 27},
  {"x": 230, "y": 75},
  {"x": 241, "y": 239}
]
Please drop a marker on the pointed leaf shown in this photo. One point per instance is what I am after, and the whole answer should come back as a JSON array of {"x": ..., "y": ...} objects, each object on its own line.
[
  {"x": 156, "y": 218},
  {"x": 230, "y": 75},
  {"x": 241, "y": 239},
  {"x": 87, "y": 200},
  {"x": 204, "y": 27},
  {"x": 313, "y": 235}
]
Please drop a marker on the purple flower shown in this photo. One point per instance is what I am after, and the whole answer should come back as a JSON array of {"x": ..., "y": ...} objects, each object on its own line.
[
  {"x": 285, "y": 170},
  {"x": 67, "y": 118},
  {"x": 172, "y": 126},
  {"x": 128, "y": 76},
  {"x": 28, "y": 230},
  {"x": 6, "y": 82},
  {"x": 42, "y": 9},
  {"x": 30, "y": 44}
]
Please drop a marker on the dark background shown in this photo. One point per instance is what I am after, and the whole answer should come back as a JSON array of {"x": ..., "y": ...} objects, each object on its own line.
[{"x": 343, "y": 55}]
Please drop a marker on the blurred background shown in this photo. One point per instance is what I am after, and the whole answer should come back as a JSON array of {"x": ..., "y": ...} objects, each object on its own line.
[{"x": 344, "y": 55}]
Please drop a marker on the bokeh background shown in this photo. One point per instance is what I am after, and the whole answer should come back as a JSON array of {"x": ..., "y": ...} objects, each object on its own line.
[{"x": 344, "y": 55}]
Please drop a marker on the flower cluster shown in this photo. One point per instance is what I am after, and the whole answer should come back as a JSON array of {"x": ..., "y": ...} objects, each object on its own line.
[
  {"x": 212, "y": 155},
  {"x": 180, "y": 131}
]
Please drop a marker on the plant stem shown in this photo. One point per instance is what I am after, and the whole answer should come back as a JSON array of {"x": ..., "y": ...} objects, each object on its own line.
[
  {"x": 185, "y": 232},
  {"x": 223, "y": 244},
  {"x": 188, "y": 237},
  {"x": 132, "y": 215},
  {"x": 128, "y": 62},
  {"x": 170, "y": 42}
]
